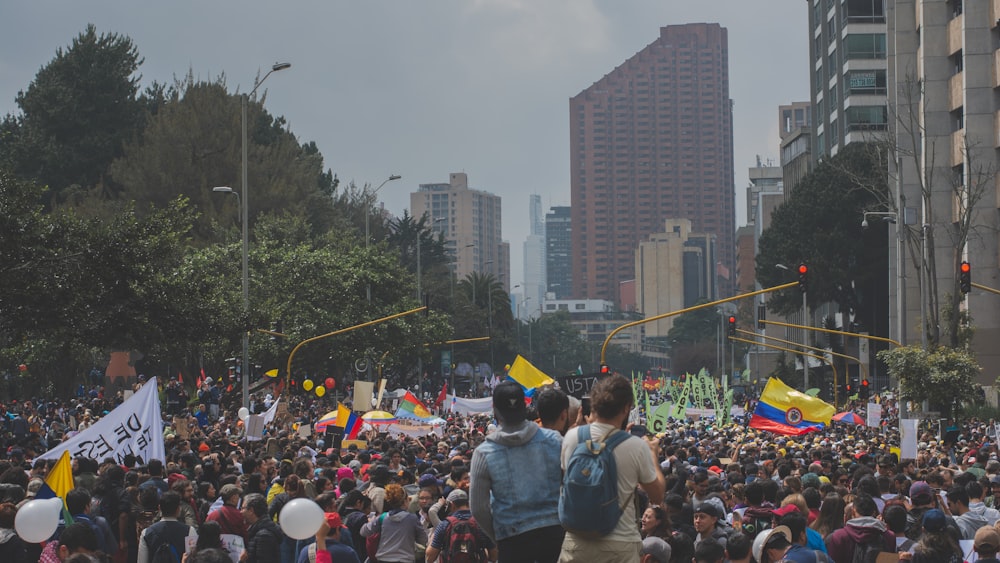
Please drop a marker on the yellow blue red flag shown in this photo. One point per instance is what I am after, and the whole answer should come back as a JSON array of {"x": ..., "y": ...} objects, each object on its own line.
[
  {"x": 528, "y": 375},
  {"x": 784, "y": 410}
]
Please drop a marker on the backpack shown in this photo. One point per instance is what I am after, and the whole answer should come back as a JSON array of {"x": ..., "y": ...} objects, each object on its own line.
[
  {"x": 463, "y": 547},
  {"x": 867, "y": 552},
  {"x": 755, "y": 520},
  {"x": 164, "y": 535},
  {"x": 372, "y": 541},
  {"x": 166, "y": 553},
  {"x": 588, "y": 502}
]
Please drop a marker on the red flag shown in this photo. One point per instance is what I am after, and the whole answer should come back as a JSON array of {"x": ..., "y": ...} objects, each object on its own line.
[
  {"x": 201, "y": 378},
  {"x": 180, "y": 378},
  {"x": 442, "y": 395}
]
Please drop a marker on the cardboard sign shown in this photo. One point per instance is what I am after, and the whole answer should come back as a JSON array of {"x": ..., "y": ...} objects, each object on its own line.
[{"x": 578, "y": 386}]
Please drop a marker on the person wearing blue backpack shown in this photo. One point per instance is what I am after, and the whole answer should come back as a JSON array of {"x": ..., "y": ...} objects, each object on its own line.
[
  {"x": 602, "y": 467},
  {"x": 514, "y": 483}
]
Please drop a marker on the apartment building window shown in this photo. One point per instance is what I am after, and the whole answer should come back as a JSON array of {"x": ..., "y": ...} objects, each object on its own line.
[
  {"x": 956, "y": 7},
  {"x": 833, "y": 62},
  {"x": 860, "y": 118},
  {"x": 866, "y": 82},
  {"x": 864, "y": 11},
  {"x": 958, "y": 62},
  {"x": 865, "y": 46},
  {"x": 958, "y": 119},
  {"x": 831, "y": 30}
]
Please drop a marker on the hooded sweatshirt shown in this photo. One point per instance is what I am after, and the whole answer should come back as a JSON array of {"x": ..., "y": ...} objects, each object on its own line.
[
  {"x": 865, "y": 530},
  {"x": 969, "y": 522},
  {"x": 990, "y": 514},
  {"x": 401, "y": 531}
]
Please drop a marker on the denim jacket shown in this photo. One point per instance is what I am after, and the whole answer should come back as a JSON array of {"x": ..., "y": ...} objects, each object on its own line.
[{"x": 515, "y": 479}]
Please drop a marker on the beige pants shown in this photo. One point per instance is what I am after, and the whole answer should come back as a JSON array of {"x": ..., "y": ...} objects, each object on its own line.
[{"x": 579, "y": 550}]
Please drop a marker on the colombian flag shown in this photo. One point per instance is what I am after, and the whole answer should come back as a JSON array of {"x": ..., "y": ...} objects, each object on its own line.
[
  {"x": 528, "y": 375},
  {"x": 411, "y": 407},
  {"x": 784, "y": 410},
  {"x": 344, "y": 418},
  {"x": 58, "y": 482}
]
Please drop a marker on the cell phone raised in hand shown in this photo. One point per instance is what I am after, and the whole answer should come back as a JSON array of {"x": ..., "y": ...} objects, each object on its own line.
[{"x": 585, "y": 406}]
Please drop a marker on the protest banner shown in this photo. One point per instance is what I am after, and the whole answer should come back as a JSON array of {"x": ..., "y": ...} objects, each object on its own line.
[
  {"x": 470, "y": 406},
  {"x": 363, "y": 393},
  {"x": 134, "y": 427},
  {"x": 908, "y": 433},
  {"x": 874, "y": 413},
  {"x": 255, "y": 427}
]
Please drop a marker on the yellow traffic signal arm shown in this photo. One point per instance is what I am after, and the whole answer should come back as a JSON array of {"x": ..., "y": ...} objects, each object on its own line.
[{"x": 604, "y": 347}]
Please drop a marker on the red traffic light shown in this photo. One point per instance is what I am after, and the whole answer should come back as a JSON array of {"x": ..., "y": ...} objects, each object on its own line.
[
  {"x": 732, "y": 320},
  {"x": 864, "y": 383},
  {"x": 966, "y": 268},
  {"x": 605, "y": 369},
  {"x": 803, "y": 269}
]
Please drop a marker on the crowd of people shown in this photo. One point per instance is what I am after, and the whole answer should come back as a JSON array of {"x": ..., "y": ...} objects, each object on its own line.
[{"x": 493, "y": 487}]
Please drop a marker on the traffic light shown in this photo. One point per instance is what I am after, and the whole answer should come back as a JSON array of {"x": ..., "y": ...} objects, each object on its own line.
[
  {"x": 803, "y": 277},
  {"x": 732, "y": 326},
  {"x": 864, "y": 389},
  {"x": 849, "y": 388},
  {"x": 605, "y": 369},
  {"x": 965, "y": 277},
  {"x": 761, "y": 315}
]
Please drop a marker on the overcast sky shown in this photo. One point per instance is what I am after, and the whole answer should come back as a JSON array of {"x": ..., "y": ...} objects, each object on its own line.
[{"x": 422, "y": 88}]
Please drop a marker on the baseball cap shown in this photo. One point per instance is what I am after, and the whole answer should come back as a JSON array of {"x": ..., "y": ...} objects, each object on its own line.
[
  {"x": 508, "y": 402},
  {"x": 710, "y": 508},
  {"x": 920, "y": 492},
  {"x": 659, "y": 549},
  {"x": 934, "y": 520},
  {"x": 987, "y": 537},
  {"x": 428, "y": 480},
  {"x": 458, "y": 495},
  {"x": 785, "y": 510},
  {"x": 765, "y": 537}
]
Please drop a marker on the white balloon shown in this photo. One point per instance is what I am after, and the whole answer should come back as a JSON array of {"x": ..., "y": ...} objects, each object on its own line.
[
  {"x": 301, "y": 518},
  {"x": 243, "y": 413},
  {"x": 38, "y": 519}
]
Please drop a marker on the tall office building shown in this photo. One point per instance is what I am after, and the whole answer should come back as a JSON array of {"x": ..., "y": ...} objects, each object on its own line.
[
  {"x": 847, "y": 72},
  {"x": 533, "y": 285},
  {"x": 650, "y": 141},
  {"x": 470, "y": 221},
  {"x": 944, "y": 83},
  {"x": 558, "y": 253}
]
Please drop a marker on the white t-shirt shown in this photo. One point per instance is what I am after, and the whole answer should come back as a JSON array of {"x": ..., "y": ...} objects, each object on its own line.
[{"x": 634, "y": 465}]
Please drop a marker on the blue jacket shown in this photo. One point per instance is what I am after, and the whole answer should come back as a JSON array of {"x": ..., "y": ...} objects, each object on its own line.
[{"x": 520, "y": 466}]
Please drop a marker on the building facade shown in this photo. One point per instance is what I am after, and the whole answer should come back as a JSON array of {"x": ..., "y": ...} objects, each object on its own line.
[
  {"x": 470, "y": 221},
  {"x": 558, "y": 249},
  {"x": 944, "y": 77},
  {"x": 847, "y": 72},
  {"x": 533, "y": 287},
  {"x": 673, "y": 271},
  {"x": 652, "y": 140}
]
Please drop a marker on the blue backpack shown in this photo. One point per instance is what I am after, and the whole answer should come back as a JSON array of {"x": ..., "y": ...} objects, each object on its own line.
[{"x": 588, "y": 502}]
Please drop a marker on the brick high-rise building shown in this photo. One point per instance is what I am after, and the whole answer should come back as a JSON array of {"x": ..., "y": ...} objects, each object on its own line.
[{"x": 652, "y": 140}]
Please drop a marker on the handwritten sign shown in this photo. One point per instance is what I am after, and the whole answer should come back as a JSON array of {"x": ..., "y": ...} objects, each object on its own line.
[{"x": 578, "y": 386}]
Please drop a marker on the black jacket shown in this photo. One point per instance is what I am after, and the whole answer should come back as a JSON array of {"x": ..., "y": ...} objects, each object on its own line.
[{"x": 263, "y": 541}]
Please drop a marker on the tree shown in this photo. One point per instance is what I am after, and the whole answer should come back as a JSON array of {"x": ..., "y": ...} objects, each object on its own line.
[
  {"x": 819, "y": 224},
  {"x": 694, "y": 341},
  {"x": 194, "y": 144},
  {"x": 944, "y": 377},
  {"x": 76, "y": 114}
]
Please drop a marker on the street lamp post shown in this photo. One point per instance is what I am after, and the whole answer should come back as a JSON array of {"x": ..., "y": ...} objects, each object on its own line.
[
  {"x": 420, "y": 295},
  {"x": 245, "y": 220},
  {"x": 489, "y": 300},
  {"x": 368, "y": 238}
]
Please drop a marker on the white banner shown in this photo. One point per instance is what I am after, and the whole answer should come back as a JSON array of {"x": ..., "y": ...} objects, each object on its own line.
[
  {"x": 908, "y": 438},
  {"x": 269, "y": 414},
  {"x": 255, "y": 427},
  {"x": 874, "y": 415},
  {"x": 470, "y": 406},
  {"x": 415, "y": 429},
  {"x": 134, "y": 427}
]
